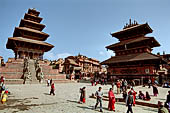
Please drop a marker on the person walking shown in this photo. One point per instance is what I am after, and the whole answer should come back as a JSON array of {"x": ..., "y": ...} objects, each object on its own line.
[
  {"x": 2, "y": 79},
  {"x": 133, "y": 83},
  {"x": 82, "y": 95},
  {"x": 52, "y": 89},
  {"x": 149, "y": 83},
  {"x": 112, "y": 100},
  {"x": 51, "y": 81},
  {"x": 125, "y": 85},
  {"x": 124, "y": 95},
  {"x": 155, "y": 90},
  {"x": 99, "y": 95},
  {"x": 48, "y": 82},
  {"x": 134, "y": 94},
  {"x": 118, "y": 87},
  {"x": 113, "y": 84},
  {"x": 168, "y": 100},
  {"x": 129, "y": 102}
]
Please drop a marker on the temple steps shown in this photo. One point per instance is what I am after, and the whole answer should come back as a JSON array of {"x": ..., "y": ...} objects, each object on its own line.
[
  {"x": 60, "y": 81},
  {"x": 14, "y": 81},
  {"x": 13, "y": 72},
  {"x": 20, "y": 81},
  {"x": 33, "y": 71}
]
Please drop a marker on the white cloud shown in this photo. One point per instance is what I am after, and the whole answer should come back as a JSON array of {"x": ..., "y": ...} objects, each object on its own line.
[
  {"x": 106, "y": 53},
  {"x": 63, "y": 55},
  {"x": 109, "y": 53},
  {"x": 101, "y": 53},
  {"x": 53, "y": 56}
]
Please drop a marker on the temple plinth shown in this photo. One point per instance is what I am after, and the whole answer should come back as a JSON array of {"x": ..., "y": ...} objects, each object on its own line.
[{"x": 28, "y": 39}]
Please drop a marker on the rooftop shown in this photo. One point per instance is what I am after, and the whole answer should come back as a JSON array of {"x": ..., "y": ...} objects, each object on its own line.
[
  {"x": 133, "y": 41},
  {"x": 21, "y": 39},
  {"x": 31, "y": 30},
  {"x": 133, "y": 27},
  {"x": 131, "y": 58}
]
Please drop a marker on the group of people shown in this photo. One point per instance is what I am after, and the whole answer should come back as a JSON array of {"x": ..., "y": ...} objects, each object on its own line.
[
  {"x": 102, "y": 81},
  {"x": 154, "y": 84},
  {"x": 50, "y": 83},
  {"x": 99, "y": 95},
  {"x": 121, "y": 86},
  {"x": 143, "y": 96},
  {"x": 130, "y": 99}
]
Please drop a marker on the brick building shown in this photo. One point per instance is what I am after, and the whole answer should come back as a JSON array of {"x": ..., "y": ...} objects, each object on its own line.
[
  {"x": 81, "y": 66},
  {"x": 58, "y": 64}
]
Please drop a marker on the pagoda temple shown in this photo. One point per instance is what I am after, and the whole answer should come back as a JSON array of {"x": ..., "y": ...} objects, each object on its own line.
[
  {"x": 133, "y": 54},
  {"x": 28, "y": 45},
  {"x": 28, "y": 39}
]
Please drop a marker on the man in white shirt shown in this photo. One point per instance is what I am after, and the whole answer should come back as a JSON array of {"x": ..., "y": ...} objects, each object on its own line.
[{"x": 99, "y": 95}]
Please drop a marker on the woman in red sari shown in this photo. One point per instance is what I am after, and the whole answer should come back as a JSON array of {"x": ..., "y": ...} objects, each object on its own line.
[{"x": 112, "y": 100}]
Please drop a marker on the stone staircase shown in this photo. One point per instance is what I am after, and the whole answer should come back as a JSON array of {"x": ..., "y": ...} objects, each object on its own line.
[
  {"x": 13, "y": 69},
  {"x": 33, "y": 71},
  {"x": 13, "y": 72}
]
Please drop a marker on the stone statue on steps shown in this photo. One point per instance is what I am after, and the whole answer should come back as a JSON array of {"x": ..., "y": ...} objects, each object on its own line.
[
  {"x": 39, "y": 73},
  {"x": 41, "y": 77},
  {"x": 27, "y": 76},
  {"x": 26, "y": 71}
]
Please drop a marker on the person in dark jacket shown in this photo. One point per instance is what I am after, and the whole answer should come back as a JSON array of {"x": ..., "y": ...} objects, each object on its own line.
[
  {"x": 168, "y": 100},
  {"x": 155, "y": 90},
  {"x": 82, "y": 95},
  {"x": 147, "y": 96},
  {"x": 51, "y": 81},
  {"x": 129, "y": 102}
]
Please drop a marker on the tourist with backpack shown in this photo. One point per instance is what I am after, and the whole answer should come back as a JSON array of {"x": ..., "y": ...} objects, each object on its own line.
[{"x": 130, "y": 102}]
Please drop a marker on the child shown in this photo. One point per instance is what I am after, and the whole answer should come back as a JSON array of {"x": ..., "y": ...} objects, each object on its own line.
[
  {"x": 4, "y": 97},
  {"x": 141, "y": 95}
]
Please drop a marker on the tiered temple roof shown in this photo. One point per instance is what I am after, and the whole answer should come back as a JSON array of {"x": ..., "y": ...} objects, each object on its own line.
[
  {"x": 29, "y": 33},
  {"x": 133, "y": 45},
  {"x": 131, "y": 58},
  {"x": 150, "y": 40}
]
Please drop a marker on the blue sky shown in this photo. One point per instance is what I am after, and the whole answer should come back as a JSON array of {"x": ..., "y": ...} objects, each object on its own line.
[{"x": 84, "y": 26}]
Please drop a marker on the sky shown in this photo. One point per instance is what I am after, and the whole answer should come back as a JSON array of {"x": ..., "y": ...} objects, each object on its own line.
[{"x": 84, "y": 26}]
